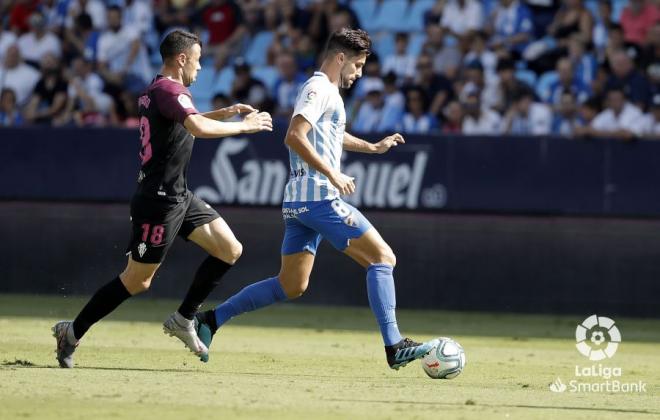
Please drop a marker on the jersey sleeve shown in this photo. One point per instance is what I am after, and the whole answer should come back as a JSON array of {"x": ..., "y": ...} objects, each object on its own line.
[
  {"x": 311, "y": 103},
  {"x": 174, "y": 103}
]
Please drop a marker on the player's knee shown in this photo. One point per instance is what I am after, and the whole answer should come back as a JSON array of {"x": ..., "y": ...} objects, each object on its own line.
[
  {"x": 386, "y": 256},
  {"x": 230, "y": 254},
  {"x": 136, "y": 284},
  {"x": 294, "y": 287}
]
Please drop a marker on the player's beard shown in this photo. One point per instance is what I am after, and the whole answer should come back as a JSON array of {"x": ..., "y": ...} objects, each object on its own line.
[{"x": 344, "y": 82}]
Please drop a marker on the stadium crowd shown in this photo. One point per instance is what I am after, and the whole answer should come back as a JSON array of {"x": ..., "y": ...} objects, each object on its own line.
[{"x": 477, "y": 67}]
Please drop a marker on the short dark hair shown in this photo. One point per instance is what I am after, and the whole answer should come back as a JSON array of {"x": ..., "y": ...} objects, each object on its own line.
[
  {"x": 349, "y": 41},
  {"x": 177, "y": 42}
]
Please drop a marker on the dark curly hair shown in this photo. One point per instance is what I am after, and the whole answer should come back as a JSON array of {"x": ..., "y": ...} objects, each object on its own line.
[{"x": 349, "y": 41}]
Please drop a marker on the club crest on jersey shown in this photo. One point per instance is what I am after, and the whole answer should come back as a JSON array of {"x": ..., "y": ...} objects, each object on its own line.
[
  {"x": 185, "y": 100},
  {"x": 142, "y": 248}
]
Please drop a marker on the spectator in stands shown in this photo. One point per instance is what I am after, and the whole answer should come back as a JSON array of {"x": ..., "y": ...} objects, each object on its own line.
[
  {"x": 371, "y": 78},
  {"x": 10, "y": 115},
  {"x": 87, "y": 104},
  {"x": 567, "y": 83},
  {"x": 479, "y": 52},
  {"x": 637, "y": 18},
  {"x": 433, "y": 16},
  {"x": 394, "y": 105},
  {"x": 401, "y": 63},
  {"x": 371, "y": 112},
  {"x": 453, "y": 118},
  {"x": 288, "y": 14},
  {"x": 138, "y": 14},
  {"x": 224, "y": 21},
  {"x": 508, "y": 84},
  {"x": 329, "y": 14},
  {"x": 473, "y": 75},
  {"x": 586, "y": 114},
  {"x": 416, "y": 120},
  {"x": 18, "y": 76},
  {"x": 438, "y": 87},
  {"x": 572, "y": 18},
  {"x": 652, "y": 119},
  {"x": 478, "y": 120},
  {"x": 34, "y": 45},
  {"x": 649, "y": 55},
  {"x": 462, "y": 17},
  {"x": 566, "y": 116},
  {"x": 19, "y": 14},
  {"x": 48, "y": 101},
  {"x": 527, "y": 116},
  {"x": 96, "y": 9},
  {"x": 653, "y": 72},
  {"x": 625, "y": 75},
  {"x": 602, "y": 24},
  {"x": 82, "y": 39},
  {"x": 616, "y": 42},
  {"x": 7, "y": 39},
  {"x": 305, "y": 53},
  {"x": 122, "y": 57},
  {"x": 248, "y": 90},
  {"x": 287, "y": 85},
  {"x": 446, "y": 57},
  {"x": 584, "y": 62},
  {"x": 172, "y": 13},
  {"x": 511, "y": 26},
  {"x": 620, "y": 119}
]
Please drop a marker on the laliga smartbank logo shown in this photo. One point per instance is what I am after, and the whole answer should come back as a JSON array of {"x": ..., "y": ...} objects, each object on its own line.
[{"x": 597, "y": 338}]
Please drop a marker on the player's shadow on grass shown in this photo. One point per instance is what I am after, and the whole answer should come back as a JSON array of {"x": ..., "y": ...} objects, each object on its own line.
[
  {"x": 23, "y": 364},
  {"x": 476, "y": 404},
  {"x": 517, "y": 327}
]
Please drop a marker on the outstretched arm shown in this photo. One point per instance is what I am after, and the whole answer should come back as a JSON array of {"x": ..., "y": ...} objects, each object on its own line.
[
  {"x": 203, "y": 127},
  {"x": 296, "y": 139},
  {"x": 228, "y": 112},
  {"x": 354, "y": 144}
]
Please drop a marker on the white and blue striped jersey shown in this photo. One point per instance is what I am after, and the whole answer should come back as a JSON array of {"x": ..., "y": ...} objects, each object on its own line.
[{"x": 320, "y": 103}]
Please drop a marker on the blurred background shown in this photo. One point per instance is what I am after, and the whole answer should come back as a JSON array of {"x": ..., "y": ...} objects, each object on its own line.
[{"x": 529, "y": 181}]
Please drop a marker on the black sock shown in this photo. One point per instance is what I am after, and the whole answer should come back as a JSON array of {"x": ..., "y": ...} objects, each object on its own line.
[
  {"x": 206, "y": 279},
  {"x": 104, "y": 301}
]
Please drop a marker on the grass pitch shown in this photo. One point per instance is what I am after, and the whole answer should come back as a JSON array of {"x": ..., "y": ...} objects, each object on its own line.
[{"x": 294, "y": 361}]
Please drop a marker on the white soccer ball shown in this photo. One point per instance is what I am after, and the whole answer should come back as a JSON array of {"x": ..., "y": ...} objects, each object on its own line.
[{"x": 445, "y": 361}]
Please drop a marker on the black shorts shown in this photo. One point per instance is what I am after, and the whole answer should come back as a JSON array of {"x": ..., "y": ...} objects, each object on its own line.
[{"x": 156, "y": 223}]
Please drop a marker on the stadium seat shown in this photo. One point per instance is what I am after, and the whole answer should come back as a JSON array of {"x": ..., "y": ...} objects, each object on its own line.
[
  {"x": 543, "y": 84},
  {"x": 415, "y": 17},
  {"x": 268, "y": 75},
  {"x": 202, "y": 89},
  {"x": 416, "y": 42},
  {"x": 526, "y": 76},
  {"x": 383, "y": 44},
  {"x": 391, "y": 16},
  {"x": 617, "y": 9},
  {"x": 365, "y": 9},
  {"x": 256, "y": 52},
  {"x": 224, "y": 80}
]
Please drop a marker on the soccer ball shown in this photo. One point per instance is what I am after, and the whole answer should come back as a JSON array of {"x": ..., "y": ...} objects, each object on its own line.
[{"x": 445, "y": 361}]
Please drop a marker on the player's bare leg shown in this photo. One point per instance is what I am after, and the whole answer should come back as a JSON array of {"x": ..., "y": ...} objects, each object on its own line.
[
  {"x": 135, "y": 278},
  {"x": 290, "y": 283},
  {"x": 217, "y": 239},
  {"x": 374, "y": 254}
]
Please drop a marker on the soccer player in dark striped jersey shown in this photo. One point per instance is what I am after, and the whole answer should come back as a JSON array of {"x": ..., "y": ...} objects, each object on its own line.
[{"x": 162, "y": 207}]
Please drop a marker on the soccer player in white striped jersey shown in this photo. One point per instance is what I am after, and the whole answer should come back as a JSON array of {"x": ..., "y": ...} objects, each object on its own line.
[{"x": 313, "y": 208}]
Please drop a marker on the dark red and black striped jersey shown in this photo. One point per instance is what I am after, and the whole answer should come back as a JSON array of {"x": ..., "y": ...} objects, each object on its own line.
[{"x": 166, "y": 145}]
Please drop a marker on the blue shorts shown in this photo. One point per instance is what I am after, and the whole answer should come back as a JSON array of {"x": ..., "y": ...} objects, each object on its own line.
[{"x": 306, "y": 223}]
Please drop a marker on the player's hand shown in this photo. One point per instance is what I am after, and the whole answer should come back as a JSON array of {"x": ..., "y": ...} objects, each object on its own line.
[
  {"x": 238, "y": 109},
  {"x": 258, "y": 121},
  {"x": 388, "y": 142},
  {"x": 343, "y": 182}
]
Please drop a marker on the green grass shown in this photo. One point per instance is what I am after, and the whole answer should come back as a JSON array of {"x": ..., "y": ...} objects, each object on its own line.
[{"x": 294, "y": 361}]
